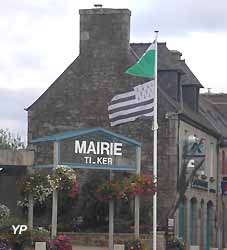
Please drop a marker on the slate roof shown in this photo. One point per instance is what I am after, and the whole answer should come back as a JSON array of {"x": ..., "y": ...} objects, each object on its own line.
[
  {"x": 199, "y": 120},
  {"x": 214, "y": 108},
  {"x": 186, "y": 114},
  {"x": 188, "y": 78},
  {"x": 167, "y": 61}
]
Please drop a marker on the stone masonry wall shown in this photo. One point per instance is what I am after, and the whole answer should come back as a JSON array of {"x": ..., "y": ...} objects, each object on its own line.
[
  {"x": 79, "y": 99},
  {"x": 96, "y": 239}
]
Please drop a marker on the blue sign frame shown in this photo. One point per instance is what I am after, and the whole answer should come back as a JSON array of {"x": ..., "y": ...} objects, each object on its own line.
[{"x": 92, "y": 131}]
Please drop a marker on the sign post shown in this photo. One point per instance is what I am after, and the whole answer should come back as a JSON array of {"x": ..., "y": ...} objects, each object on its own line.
[
  {"x": 55, "y": 193},
  {"x": 77, "y": 151},
  {"x": 111, "y": 218},
  {"x": 137, "y": 199},
  {"x": 30, "y": 206}
]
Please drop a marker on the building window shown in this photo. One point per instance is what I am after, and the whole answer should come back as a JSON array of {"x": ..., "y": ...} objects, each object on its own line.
[
  {"x": 181, "y": 214},
  {"x": 193, "y": 221},
  {"x": 209, "y": 225}
]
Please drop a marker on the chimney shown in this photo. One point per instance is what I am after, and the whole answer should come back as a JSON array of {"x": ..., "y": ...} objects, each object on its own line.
[
  {"x": 104, "y": 31},
  {"x": 176, "y": 55}
]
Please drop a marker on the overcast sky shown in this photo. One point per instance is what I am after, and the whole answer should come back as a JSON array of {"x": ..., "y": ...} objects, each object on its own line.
[{"x": 39, "y": 39}]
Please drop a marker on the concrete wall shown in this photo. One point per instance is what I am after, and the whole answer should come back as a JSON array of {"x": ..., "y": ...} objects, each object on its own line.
[
  {"x": 16, "y": 158},
  {"x": 13, "y": 166}
]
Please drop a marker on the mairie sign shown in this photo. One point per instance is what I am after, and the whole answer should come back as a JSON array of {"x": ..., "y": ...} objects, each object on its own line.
[
  {"x": 94, "y": 148},
  {"x": 98, "y": 148}
]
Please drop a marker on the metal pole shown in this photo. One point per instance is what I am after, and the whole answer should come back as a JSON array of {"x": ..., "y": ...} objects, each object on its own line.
[
  {"x": 30, "y": 205},
  {"x": 137, "y": 200},
  {"x": 155, "y": 128},
  {"x": 55, "y": 193},
  {"x": 30, "y": 211},
  {"x": 111, "y": 218}
]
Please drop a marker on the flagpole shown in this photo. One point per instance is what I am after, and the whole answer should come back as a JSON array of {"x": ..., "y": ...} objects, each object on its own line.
[{"x": 155, "y": 146}]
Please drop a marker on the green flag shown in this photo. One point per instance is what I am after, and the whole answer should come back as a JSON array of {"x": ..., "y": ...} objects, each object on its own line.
[{"x": 145, "y": 67}]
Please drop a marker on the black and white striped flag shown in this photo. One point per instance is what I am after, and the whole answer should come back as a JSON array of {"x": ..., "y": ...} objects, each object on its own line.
[{"x": 129, "y": 106}]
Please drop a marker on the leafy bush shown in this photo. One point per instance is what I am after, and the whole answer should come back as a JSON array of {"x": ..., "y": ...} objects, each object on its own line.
[
  {"x": 176, "y": 244},
  {"x": 26, "y": 238},
  {"x": 41, "y": 187},
  {"x": 4, "y": 211},
  {"x": 135, "y": 245},
  {"x": 60, "y": 243},
  {"x": 4, "y": 244},
  {"x": 127, "y": 188},
  {"x": 9, "y": 141}
]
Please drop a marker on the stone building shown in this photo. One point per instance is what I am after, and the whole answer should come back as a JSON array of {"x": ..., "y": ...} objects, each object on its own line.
[
  {"x": 78, "y": 98},
  {"x": 214, "y": 108}
]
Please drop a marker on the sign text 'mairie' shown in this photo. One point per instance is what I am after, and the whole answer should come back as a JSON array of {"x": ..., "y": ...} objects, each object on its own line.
[{"x": 98, "y": 148}]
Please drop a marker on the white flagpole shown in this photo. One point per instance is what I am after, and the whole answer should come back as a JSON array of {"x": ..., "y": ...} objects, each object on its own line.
[{"x": 155, "y": 146}]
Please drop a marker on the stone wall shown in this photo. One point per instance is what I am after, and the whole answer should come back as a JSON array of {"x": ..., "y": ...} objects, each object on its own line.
[
  {"x": 98, "y": 239},
  {"x": 79, "y": 99}
]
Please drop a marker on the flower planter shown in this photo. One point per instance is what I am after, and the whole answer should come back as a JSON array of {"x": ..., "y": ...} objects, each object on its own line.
[{"x": 40, "y": 246}]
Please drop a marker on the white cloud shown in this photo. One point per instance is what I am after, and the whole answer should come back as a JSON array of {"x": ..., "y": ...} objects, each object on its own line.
[
  {"x": 205, "y": 54},
  {"x": 12, "y": 113}
]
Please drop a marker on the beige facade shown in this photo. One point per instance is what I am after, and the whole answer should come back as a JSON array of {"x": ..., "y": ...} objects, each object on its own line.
[{"x": 196, "y": 216}]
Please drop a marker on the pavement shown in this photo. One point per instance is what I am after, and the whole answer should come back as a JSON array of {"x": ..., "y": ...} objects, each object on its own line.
[{"x": 88, "y": 248}]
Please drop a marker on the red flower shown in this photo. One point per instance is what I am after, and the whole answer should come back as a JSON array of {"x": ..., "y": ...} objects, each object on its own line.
[{"x": 74, "y": 190}]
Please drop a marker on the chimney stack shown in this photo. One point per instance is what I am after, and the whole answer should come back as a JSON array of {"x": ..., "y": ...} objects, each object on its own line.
[
  {"x": 104, "y": 31},
  {"x": 176, "y": 55}
]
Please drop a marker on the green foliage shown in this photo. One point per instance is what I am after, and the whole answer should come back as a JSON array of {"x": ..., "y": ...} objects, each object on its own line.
[
  {"x": 135, "y": 245},
  {"x": 41, "y": 185},
  {"x": 10, "y": 141},
  {"x": 126, "y": 188},
  {"x": 98, "y": 218},
  {"x": 4, "y": 212},
  {"x": 176, "y": 244},
  {"x": 26, "y": 238},
  {"x": 7, "y": 222}
]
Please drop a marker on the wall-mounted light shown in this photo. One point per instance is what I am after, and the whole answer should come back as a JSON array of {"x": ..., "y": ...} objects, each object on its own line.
[
  {"x": 191, "y": 164},
  {"x": 193, "y": 139}
]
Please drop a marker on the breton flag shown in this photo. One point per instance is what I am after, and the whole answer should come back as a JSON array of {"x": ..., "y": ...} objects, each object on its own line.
[
  {"x": 127, "y": 107},
  {"x": 145, "y": 67}
]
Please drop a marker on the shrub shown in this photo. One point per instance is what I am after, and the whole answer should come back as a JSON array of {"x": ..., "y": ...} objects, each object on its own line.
[
  {"x": 4, "y": 212},
  {"x": 60, "y": 243},
  {"x": 176, "y": 244},
  {"x": 135, "y": 245}
]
